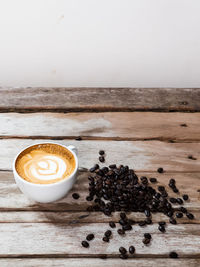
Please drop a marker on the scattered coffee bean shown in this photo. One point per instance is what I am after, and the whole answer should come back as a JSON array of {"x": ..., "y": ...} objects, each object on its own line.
[
  {"x": 123, "y": 256},
  {"x": 147, "y": 235},
  {"x": 160, "y": 170},
  {"x": 162, "y": 223},
  {"x": 101, "y": 159},
  {"x": 172, "y": 200},
  {"x": 190, "y": 216},
  {"x": 75, "y": 195},
  {"x": 123, "y": 215},
  {"x": 173, "y": 255},
  {"x": 89, "y": 198},
  {"x": 127, "y": 227},
  {"x": 142, "y": 223},
  {"x": 161, "y": 188},
  {"x": 122, "y": 250},
  {"x": 161, "y": 228},
  {"x": 85, "y": 244},
  {"x": 175, "y": 190},
  {"x": 147, "y": 213},
  {"x": 105, "y": 239},
  {"x": 172, "y": 220},
  {"x": 131, "y": 249},
  {"x": 191, "y": 157},
  {"x": 148, "y": 221},
  {"x": 78, "y": 138},
  {"x": 182, "y": 209},
  {"x": 179, "y": 215},
  {"x": 183, "y": 125},
  {"x": 153, "y": 180},
  {"x": 146, "y": 241},
  {"x": 112, "y": 224},
  {"x": 101, "y": 152},
  {"x": 172, "y": 181},
  {"x": 179, "y": 201},
  {"x": 90, "y": 237},
  {"x": 121, "y": 231},
  {"x": 185, "y": 197},
  {"x": 108, "y": 233}
]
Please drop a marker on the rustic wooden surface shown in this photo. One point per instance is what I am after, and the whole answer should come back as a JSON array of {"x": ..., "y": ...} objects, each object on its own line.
[{"x": 34, "y": 234}]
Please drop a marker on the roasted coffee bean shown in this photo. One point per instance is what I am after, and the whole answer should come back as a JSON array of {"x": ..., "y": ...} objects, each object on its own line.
[
  {"x": 161, "y": 228},
  {"x": 112, "y": 166},
  {"x": 121, "y": 231},
  {"x": 122, "y": 250},
  {"x": 85, "y": 244},
  {"x": 173, "y": 255},
  {"x": 162, "y": 223},
  {"x": 105, "y": 239},
  {"x": 101, "y": 152},
  {"x": 146, "y": 241},
  {"x": 142, "y": 223},
  {"x": 179, "y": 215},
  {"x": 127, "y": 227},
  {"x": 175, "y": 190},
  {"x": 108, "y": 233},
  {"x": 92, "y": 169},
  {"x": 182, "y": 209},
  {"x": 101, "y": 159},
  {"x": 190, "y": 216},
  {"x": 122, "y": 222},
  {"x": 179, "y": 201},
  {"x": 123, "y": 256},
  {"x": 112, "y": 224},
  {"x": 170, "y": 213},
  {"x": 172, "y": 220},
  {"x": 172, "y": 200},
  {"x": 160, "y": 170},
  {"x": 90, "y": 237},
  {"x": 89, "y": 198},
  {"x": 78, "y": 138},
  {"x": 147, "y": 235},
  {"x": 185, "y": 197},
  {"x": 172, "y": 181},
  {"x": 161, "y": 188},
  {"x": 75, "y": 195},
  {"x": 191, "y": 157},
  {"x": 144, "y": 180},
  {"x": 153, "y": 180},
  {"x": 147, "y": 213},
  {"x": 131, "y": 250},
  {"x": 148, "y": 221},
  {"x": 123, "y": 215}
]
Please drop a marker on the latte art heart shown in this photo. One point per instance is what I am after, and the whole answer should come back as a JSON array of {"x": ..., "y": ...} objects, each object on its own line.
[{"x": 46, "y": 163}]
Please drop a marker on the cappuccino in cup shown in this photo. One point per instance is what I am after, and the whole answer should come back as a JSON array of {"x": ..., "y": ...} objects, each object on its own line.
[{"x": 45, "y": 163}]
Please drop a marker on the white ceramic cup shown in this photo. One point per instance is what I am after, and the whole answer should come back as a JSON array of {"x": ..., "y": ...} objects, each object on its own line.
[{"x": 46, "y": 193}]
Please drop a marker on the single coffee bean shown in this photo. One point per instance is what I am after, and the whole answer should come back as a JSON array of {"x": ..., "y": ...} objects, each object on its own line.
[
  {"x": 190, "y": 216},
  {"x": 161, "y": 228},
  {"x": 172, "y": 220},
  {"x": 112, "y": 166},
  {"x": 89, "y": 198},
  {"x": 90, "y": 237},
  {"x": 147, "y": 235},
  {"x": 161, "y": 188},
  {"x": 123, "y": 215},
  {"x": 75, "y": 195},
  {"x": 131, "y": 249},
  {"x": 170, "y": 213},
  {"x": 179, "y": 214},
  {"x": 179, "y": 200},
  {"x": 105, "y": 239},
  {"x": 162, "y": 223},
  {"x": 142, "y": 223},
  {"x": 147, "y": 213},
  {"x": 123, "y": 256},
  {"x": 78, "y": 138},
  {"x": 85, "y": 244},
  {"x": 172, "y": 200},
  {"x": 108, "y": 233},
  {"x": 148, "y": 221},
  {"x": 121, "y": 231},
  {"x": 175, "y": 190},
  {"x": 146, "y": 241},
  {"x": 182, "y": 209},
  {"x": 101, "y": 159},
  {"x": 173, "y": 255},
  {"x": 112, "y": 224},
  {"x": 160, "y": 170},
  {"x": 153, "y": 180},
  {"x": 122, "y": 250},
  {"x": 172, "y": 181},
  {"x": 185, "y": 197},
  {"x": 127, "y": 227},
  {"x": 101, "y": 152},
  {"x": 191, "y": 157}
]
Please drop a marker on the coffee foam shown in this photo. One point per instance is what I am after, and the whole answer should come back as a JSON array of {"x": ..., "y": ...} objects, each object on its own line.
[{"x": 45, "y": 164}]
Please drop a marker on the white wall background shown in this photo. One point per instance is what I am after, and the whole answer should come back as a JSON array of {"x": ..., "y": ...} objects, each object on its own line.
[{"x": 137, "y": 43}]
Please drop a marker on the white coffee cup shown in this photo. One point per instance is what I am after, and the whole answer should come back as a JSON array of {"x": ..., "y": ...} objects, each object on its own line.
[{"x": 46, "y": 193}]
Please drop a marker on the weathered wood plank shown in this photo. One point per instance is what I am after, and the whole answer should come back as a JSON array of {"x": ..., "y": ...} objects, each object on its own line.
[
  {"x": 142, "y": 156},
  {"x": 39, "y": 239},
  {"x": 12, "y": 199},
  {"x": 93, "y": 262},
  {"x": 115, "y": 125},
  {"x": 100, "y": 99}
]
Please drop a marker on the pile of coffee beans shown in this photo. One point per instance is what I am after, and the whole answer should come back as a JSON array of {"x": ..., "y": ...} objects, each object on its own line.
[{"x": 118, "y": 188}]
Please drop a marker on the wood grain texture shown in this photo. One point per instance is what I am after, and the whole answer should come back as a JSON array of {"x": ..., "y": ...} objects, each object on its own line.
[
  {"x": 142, "y": 156},
  {"x": 39, "y": 239},
  {"x": 100, "y": 99},
  {"x": 12, "y": 199},
  {"x": 107, "y": 125},
  {"x": 92, "y": 262}
]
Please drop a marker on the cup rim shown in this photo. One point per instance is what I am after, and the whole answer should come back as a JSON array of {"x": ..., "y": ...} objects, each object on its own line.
[{"x": 51, "y": 184}]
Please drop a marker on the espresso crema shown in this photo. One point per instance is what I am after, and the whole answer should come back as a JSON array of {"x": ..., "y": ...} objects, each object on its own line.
[{"x": 45, "y": 164}]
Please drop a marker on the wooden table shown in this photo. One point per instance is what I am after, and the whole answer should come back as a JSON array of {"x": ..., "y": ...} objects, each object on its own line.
[{"x": 124, "y": 123}]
